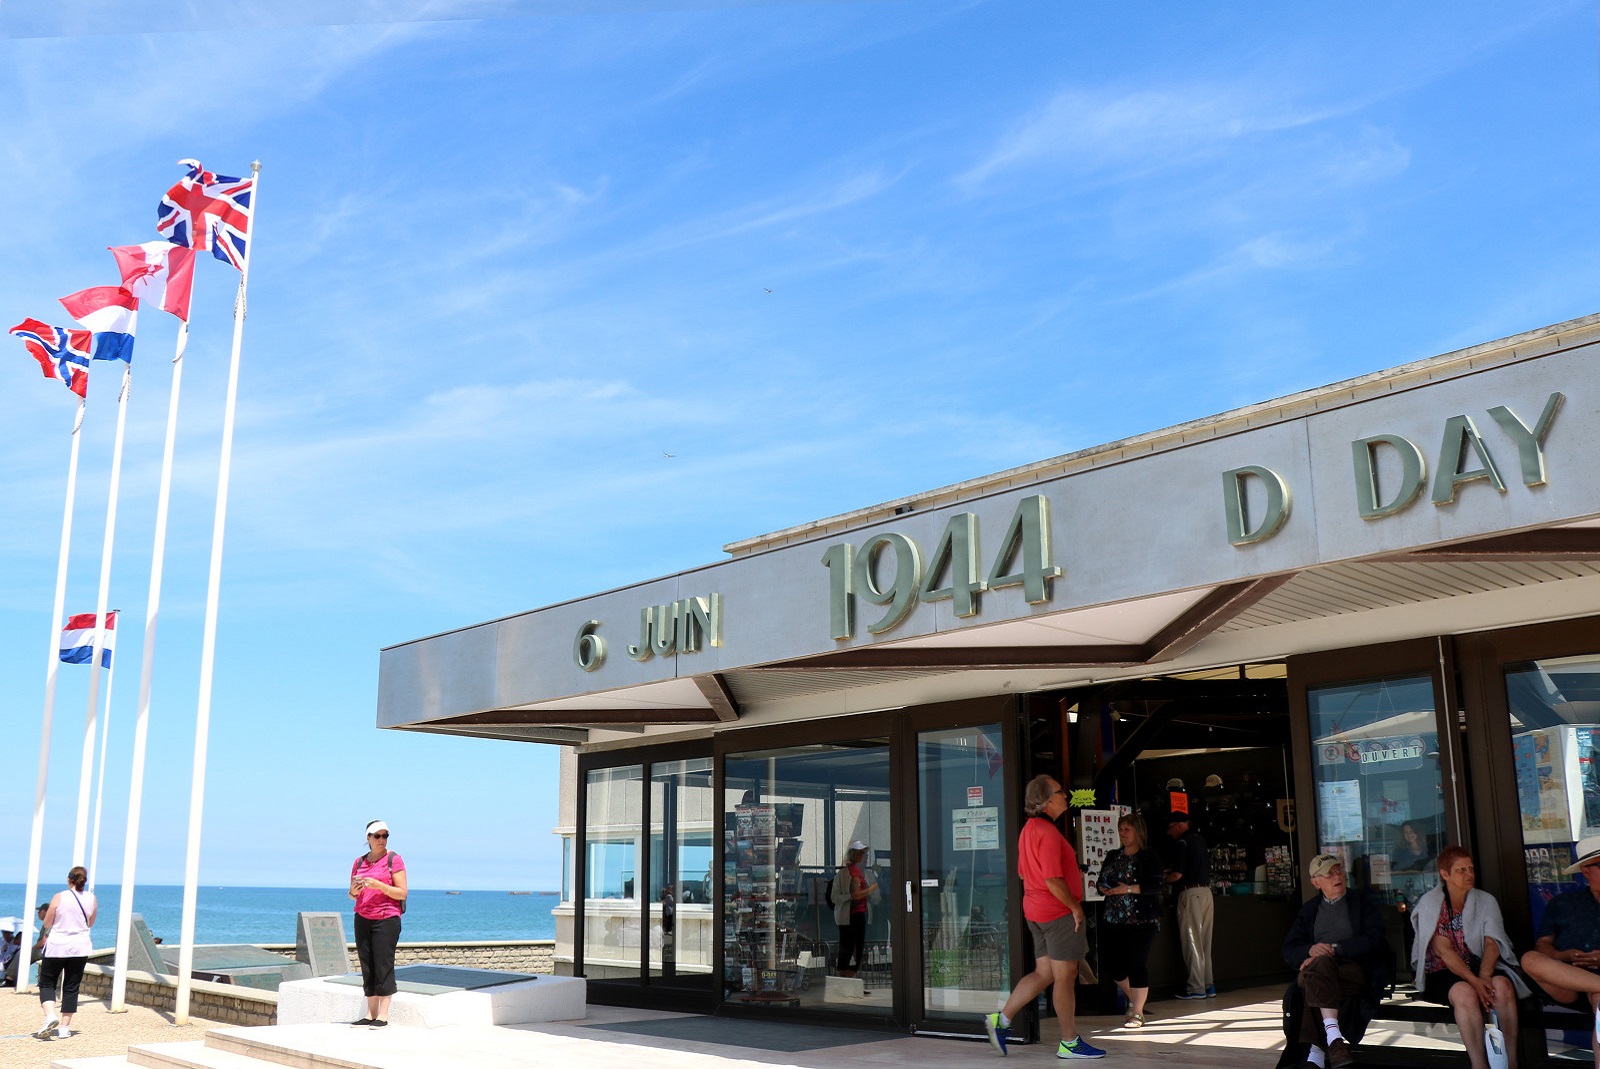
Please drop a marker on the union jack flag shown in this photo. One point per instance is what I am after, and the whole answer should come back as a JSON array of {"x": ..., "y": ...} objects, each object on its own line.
[
  {"x": 207, "y": 211},
  {"x": 63, "y": 354}
]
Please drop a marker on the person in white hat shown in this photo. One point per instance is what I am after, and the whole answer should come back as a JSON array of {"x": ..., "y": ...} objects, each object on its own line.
[
  {"x": 1565, "y": 959},
  {"x": 851, "y": 893},
  {"x": 378, "y": 883}
]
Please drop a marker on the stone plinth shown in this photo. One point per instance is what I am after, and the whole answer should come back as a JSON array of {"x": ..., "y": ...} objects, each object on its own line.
[{"x": 323, "y": 1000}]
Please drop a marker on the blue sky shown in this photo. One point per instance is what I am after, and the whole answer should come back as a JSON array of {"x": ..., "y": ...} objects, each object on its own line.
[{"x": 508, "y": 256}]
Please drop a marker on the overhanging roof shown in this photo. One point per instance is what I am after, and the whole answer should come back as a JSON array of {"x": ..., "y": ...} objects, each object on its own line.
[{"x": 1151, "y": 582}]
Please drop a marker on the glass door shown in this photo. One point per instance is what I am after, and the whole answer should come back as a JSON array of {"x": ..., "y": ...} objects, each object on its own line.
[
  {"x": 808, "y": 867},
  {"x": 966, "y": 831}
]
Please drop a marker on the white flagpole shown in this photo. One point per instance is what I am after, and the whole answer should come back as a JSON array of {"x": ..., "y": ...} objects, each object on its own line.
[
  {"x": 100, "y": 780},
  {"x": 80, "y": 838},
  {"x": 24, "y": 969},
  {"x": 208, "y": 647},
  {"x": 141, "y": 729}
]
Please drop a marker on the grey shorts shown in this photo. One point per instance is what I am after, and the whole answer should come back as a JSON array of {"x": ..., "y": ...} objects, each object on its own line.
[{"x": 1058, "y": 940}]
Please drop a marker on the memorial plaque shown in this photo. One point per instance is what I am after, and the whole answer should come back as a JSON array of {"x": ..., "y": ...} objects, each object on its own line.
[
  {"x": 143, "y": 953},
  {"x": 319, "y": 942}
]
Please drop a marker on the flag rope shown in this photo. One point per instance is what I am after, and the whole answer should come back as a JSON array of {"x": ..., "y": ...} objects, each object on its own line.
[
  {"x": 208, "y": 648},
  {"x": 141, "y": 728},
  {"x": 36, "y": 843},
  {"x": 80, "y": 837},
  {"x": 100, "y": 783}
]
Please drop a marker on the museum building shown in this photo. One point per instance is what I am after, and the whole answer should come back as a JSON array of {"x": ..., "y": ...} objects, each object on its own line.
[{"x": 1362, "y": 619}]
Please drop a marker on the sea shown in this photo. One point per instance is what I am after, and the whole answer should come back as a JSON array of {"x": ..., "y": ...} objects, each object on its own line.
[{"x": 267, "y": 914}]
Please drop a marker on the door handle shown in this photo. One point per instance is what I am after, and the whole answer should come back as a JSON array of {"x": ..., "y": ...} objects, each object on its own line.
[{"x": 908, "y": 896}]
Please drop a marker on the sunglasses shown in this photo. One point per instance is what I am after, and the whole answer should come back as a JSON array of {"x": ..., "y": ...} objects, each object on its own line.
[{"x": 378, "y": 835}]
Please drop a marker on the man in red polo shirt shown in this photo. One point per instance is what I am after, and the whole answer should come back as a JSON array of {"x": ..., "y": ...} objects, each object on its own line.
[{"x": 1052, "y": 902}]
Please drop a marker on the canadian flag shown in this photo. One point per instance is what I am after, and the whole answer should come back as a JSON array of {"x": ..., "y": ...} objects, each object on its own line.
[{"x": 158, "y": 272}]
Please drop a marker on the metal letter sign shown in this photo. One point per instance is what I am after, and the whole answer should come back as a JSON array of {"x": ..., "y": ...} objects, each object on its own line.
[{"x": 951, "y": 575}]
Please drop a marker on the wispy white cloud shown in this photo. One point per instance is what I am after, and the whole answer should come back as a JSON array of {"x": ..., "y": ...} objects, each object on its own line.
[{"x": 1133, "y": 132}]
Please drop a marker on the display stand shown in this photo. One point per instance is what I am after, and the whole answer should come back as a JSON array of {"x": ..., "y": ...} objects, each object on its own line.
[{"x": 763, "y": 881}]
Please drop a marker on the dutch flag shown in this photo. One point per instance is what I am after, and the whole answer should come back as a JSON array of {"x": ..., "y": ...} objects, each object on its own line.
[{"x": 77, "y": 639}]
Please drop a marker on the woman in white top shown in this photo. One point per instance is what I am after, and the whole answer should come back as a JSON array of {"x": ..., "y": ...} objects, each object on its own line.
[{"x": 66, "y": 952}]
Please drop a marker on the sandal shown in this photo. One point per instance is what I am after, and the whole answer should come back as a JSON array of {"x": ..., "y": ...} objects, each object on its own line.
[{"x": 1134, "y": 1020}]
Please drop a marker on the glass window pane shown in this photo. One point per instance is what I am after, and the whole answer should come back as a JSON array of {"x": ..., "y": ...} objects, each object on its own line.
[
  {"x": 682, "y": 817},
  {"x": 1555, "y": 732},
  {"x": 1380, "y": 799},
  {"x": 966, "y": 832},
  {"x": 611, "y": 853},
  {"x": 789, "y": 817}
]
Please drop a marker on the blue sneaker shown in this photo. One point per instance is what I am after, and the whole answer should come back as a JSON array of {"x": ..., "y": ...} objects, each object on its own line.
[
  {"x": 998, "y": 1033},
  {"x": 1187, "y": 995},
  {"x": 1078, "y": 1048},
  {"x": 1211, "y": 991}
]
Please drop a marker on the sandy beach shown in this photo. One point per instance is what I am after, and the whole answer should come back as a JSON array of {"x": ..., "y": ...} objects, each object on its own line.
[{"x": 98, "y": 1031}]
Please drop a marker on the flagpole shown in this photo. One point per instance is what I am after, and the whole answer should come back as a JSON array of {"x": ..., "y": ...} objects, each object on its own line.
[
  {"x": 24, "y": 968},
  {"x": 86, "y": 776},
  {"x": 141, "y": 729},
  {"x": 100, "y": 784},
  {"x": 208, "y": 648}
]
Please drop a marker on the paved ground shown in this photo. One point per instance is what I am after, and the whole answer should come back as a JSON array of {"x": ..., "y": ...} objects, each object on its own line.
[
  {"x": 102, "y": 1032},
  {"x": 1239, "y": 1029}
]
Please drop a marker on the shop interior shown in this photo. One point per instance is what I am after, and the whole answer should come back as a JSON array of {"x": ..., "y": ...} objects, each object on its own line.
[{"x": 1217, "y": 744}]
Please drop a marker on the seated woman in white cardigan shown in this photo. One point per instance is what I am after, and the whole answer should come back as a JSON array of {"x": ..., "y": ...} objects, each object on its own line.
[{"x": 1462, "y": 957}]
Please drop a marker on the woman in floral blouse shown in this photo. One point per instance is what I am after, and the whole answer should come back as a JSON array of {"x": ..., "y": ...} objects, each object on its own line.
[{"x": 1131, "y": 879}]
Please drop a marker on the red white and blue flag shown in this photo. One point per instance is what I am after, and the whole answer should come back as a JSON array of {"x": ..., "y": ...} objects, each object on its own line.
[
  {"x": 207, "y": 211},
  {"x": 111, "y": 312},
  {"x": 63, "y": 354},
  {"x": 77, "y": 639},
  {"x": 158, "y": 273}
]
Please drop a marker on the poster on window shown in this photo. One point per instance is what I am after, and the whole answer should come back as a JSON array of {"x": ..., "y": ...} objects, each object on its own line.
[
  {"x": 1542, "y": 757},
  {"x": 1097, "y": 837},
  {"x": 1339, "y": 811},
  {"x": 975, "y": 829}
]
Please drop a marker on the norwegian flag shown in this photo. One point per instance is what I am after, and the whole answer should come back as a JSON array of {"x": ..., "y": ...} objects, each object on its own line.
[
  {"x": 207, "y": 211},
  {"x": 63, "y": 354}
]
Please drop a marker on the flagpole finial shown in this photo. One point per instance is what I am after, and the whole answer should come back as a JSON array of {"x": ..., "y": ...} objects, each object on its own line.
[{"x": 255, "y": 166}]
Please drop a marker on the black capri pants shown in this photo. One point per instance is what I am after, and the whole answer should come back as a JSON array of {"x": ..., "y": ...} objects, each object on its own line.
[
  {"x": 69, "y": 971},
  {"x": 375, "y": 943},
  {"x": 1125, "y": 952},
  {"x": 853, "y": 942}
]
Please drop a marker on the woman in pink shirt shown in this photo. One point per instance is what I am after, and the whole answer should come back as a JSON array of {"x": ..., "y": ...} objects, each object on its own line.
[{"x": 378, "y": 885}]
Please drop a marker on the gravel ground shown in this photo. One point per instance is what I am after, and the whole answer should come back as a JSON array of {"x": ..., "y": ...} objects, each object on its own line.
[{"x": 99, "y": 1031}]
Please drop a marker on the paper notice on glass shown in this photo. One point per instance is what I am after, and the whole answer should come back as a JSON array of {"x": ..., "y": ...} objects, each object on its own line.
[
  {"x": 976, "y": 828},
  {"x": 1097, "y": 837},
  {"x": 1339, "y": 811},
  {"x": 1542, "y": 786}
]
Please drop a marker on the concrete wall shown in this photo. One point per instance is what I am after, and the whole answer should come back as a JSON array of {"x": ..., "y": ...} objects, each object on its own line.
[{"x": 222, "y": 1003}]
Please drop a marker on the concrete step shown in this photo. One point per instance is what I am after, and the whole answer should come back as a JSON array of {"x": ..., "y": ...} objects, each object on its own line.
[
  {"x": 104, "y": 1061},
  {"x": 192, "y": 1054},
  {"x": 306, "y": 1046}
]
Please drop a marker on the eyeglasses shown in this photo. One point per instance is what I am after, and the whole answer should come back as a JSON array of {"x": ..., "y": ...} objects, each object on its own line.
[{"x": 378, "y": 835}]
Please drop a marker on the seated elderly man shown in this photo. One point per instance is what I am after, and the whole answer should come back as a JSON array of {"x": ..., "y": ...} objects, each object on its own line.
[
  {"x": 1339, "y": 944},
  {"x": 1565, "y": 959}
]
